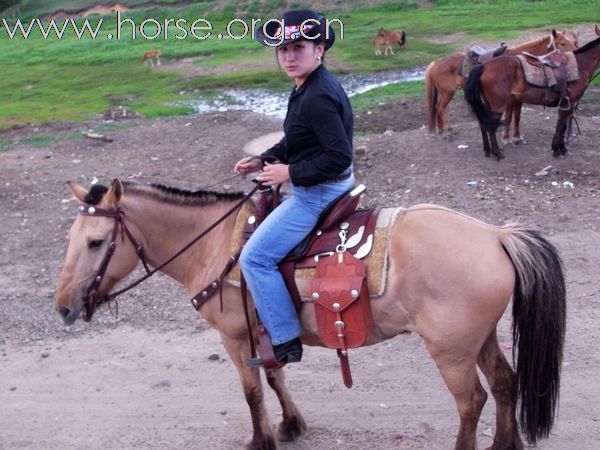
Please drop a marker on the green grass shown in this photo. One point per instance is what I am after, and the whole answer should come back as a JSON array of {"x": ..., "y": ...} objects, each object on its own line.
[
  {"x": 75, "y": 79},
  {"x": 37, "y": 141},
  {"x": 387, "y": 94}
]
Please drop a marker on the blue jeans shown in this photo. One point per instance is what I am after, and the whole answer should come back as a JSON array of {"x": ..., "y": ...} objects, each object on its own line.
[{"x": 280, "y": 232}]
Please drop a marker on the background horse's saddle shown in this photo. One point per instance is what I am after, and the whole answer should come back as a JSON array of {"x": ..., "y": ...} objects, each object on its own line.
[{"x": 478, "y": 55}]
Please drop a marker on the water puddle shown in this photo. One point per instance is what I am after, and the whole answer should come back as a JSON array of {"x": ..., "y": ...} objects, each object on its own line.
[{"x": 275, "y": 104}]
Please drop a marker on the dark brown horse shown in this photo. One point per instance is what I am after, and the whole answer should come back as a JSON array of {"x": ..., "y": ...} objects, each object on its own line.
[
  {"x": 499, "y": 85},
  {"x": 450, "y": 279},
  {"x": 443, "y": 78}
]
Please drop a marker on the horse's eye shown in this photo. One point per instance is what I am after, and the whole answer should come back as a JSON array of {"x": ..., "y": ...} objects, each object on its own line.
[{"x": 96, "y": 243}]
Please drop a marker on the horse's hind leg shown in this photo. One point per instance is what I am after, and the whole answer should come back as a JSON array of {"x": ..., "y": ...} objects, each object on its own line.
[
  {"x": 496, "y": 151},
  {"x": 508, "y": 117},
  {"x": 460, "y": 375},
  {"x": 486, "y": 142},
  {"x": 444, "y": 124},
  {"x": 293, "y": 424},
  {"x": 517, "y": 137},
  {"x": 503, "y": 385}
]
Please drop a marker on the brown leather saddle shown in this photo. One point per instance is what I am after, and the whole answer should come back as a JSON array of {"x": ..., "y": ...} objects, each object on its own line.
[
  {"x": 342, "y": 230},
  {"x": 342, "y": 237},
  {"x": 552, "y": 70},
  {"x": 478, "y": 55},
  {"x": 339, "y": 225}
]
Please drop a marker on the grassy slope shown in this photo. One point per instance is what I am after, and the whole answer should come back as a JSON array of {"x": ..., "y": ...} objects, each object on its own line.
[{"x": 72, "y": 79}]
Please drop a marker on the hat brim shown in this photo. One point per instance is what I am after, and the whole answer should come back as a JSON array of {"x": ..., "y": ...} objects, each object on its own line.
[{"x": 317, "y": 35}]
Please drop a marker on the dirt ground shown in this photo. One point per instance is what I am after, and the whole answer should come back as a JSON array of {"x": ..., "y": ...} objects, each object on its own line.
[{"x": 157, "y": 377}]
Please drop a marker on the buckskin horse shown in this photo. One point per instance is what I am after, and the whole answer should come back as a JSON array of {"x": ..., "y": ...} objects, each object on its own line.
[
  {"x": 499, "y": 85},
  {"x": 443, "y": 77},
  {"x": 450, "y": 279}
]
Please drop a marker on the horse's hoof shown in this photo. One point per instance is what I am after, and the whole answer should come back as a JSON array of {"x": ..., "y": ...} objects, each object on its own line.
[
  {"x": 519, "y": 141},
  {"x": 268, "y": 444},
  {"x": 291, "y": 429},
  {"x": 499, "y": 156}
]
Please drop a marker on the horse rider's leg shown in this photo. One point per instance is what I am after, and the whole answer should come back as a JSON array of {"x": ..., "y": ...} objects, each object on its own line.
[
  {"x": 517, "y": 138},
  {"x": 238, "y": 349},
  {"x": 292, "y": 425},
  {"x": 460, "y": 374},
  {"x": 503, "y": 385}
]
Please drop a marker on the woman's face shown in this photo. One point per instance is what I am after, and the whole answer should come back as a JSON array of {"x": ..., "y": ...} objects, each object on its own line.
[{"x": 300, "y": 58}]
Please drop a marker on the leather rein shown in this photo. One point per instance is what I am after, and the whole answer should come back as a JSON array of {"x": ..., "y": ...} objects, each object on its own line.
[{"x": 92, "y": 301}]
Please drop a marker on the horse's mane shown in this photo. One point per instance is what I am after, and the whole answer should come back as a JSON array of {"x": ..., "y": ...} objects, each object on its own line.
[
  {"x": 588, "y": 46},
  {"x": 530, "y": 43},
  {"x": 166, "y": 194}
]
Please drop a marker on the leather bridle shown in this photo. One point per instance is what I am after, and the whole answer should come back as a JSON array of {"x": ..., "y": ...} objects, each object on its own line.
[
  {"x": 91, "y": 296},
  {"x": 92, "y": 301}
]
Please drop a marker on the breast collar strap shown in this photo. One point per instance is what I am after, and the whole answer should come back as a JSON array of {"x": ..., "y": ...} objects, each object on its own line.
[{"x": 92, "y": 301}]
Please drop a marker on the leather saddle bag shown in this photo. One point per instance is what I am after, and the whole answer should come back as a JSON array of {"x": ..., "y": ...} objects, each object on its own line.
[{"x": 342, "y": 304}]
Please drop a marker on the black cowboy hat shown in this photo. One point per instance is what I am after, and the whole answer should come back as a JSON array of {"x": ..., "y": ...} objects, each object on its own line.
[{"x": 313, "y": 29}]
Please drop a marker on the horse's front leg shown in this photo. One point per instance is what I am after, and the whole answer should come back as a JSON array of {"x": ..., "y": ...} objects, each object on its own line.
[
  {"x": 558, "y": 140},
  {"x": 263, "y": 437},
  {"x": 292, "y": 425}
]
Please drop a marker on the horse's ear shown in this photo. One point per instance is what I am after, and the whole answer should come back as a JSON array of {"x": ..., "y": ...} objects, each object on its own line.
[
  {"x": 115, "y": 191},
  {"x": 78, "y": 191},
  {"x": 554, "y": 34}
]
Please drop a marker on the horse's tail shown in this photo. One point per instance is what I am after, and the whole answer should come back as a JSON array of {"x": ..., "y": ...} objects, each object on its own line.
[
  {"x": 431, "y": 97},
  {"x": 402, "y": 38},
  {"x": 539, "y": 320},
  {"x": 477, "y": 106}
]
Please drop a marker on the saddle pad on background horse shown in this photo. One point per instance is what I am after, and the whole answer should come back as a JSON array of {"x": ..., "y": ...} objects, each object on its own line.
[
  {"x": 375, "y": 260},
  {"x": 543, "y": 76}
]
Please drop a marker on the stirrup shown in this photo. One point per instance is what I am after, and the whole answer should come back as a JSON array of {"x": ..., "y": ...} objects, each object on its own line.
[{"x": 258, "y": 363}]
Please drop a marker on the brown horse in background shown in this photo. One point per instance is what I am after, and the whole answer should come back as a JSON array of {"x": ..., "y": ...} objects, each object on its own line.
[
  {"x": 388, "y": 39},
  {"x": 499, "y": 85},
  {"x": 443, "y": 78},
  {"x": 450, "y": 279}
]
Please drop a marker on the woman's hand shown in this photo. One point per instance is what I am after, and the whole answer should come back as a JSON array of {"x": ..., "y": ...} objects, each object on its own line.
[
  {"x": 274, "y": 174},
  {"x": 247, "y": 165}
]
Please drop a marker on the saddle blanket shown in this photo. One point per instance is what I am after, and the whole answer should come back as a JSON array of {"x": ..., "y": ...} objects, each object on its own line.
[
  {"x": 543, "y": 76},
  {"x": 376, "y": 259}
]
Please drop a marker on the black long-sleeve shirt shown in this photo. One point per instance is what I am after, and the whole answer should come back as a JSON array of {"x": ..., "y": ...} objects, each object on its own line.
[{"x": 317, "y": 144}]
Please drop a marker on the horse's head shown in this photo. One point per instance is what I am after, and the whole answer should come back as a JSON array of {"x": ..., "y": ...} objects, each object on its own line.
[
  {"x": 575, "y": 39},
  {"x": 381, "y": 32},
  {"x": 562, "y": 42},
  {"x": 81, "y": 282}
]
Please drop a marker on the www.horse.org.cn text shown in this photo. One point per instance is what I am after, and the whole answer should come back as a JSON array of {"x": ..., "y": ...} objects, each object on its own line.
[{"x": 152, "y": 29}]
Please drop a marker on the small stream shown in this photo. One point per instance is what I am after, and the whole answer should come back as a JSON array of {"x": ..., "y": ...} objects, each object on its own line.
[{"x": 275, "y": 104}]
